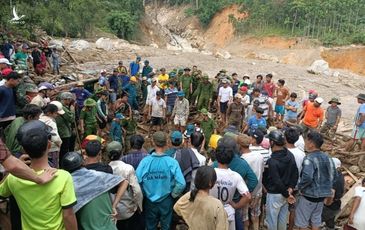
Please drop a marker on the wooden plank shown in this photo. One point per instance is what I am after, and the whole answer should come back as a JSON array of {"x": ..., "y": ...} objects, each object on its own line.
[
  {"x": 69, "y": 54},
  {"x": 352, "y": 154},
  {"x": 350, "y": 173}
]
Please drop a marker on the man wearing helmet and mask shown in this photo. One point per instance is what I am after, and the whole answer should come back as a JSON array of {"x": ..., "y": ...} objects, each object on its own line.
[{"x": 280, "y": 178}]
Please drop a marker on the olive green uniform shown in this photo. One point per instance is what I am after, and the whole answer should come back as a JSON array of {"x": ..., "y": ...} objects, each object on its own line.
[
  {"x": 208, "y": 129},
  {"x": 89, "y": 117},
  {"x": 204, "y": 94},
  {"x": 130, "y": 126},
  {"x": 186, "y": 81}
]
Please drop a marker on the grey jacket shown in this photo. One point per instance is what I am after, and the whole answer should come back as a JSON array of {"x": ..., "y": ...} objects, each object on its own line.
[
  {"x": 318, "y": 175},
  {"x": 89, "y": 184}
]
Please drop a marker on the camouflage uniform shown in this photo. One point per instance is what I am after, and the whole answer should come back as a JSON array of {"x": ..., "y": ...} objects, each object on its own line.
[{"x": 204, "y": 93}]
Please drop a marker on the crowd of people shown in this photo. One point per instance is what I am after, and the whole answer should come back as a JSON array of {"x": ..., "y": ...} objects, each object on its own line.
[{"x": 249, "y": 157}]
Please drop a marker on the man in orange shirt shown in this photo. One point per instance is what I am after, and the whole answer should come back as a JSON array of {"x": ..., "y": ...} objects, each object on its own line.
[{"x": 312, "y": 115}]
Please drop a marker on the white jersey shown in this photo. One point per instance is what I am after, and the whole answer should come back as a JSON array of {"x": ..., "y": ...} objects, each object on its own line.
[{"x": 227, "y": 183}]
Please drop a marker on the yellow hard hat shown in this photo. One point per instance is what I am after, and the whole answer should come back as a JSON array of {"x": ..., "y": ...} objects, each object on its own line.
[
  {"x": 213, "y": 142},
  {"x": 134, "y": 79}
]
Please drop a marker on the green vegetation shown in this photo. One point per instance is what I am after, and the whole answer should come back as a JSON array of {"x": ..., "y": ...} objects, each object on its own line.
[
  {"x": 334, "y": 22},
  {"x": 73, "y": 18}
]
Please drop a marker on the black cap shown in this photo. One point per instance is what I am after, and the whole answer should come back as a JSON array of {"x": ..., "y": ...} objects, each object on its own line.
[
  {"x": 259, "y": 110},
  {"x": 257, "y": 134},
  {"x": 71, "y": 161},
  {"x": 33, "y": 133},
  {"x": 187, "y": 69},
  {"x": 277, "y": 137}
]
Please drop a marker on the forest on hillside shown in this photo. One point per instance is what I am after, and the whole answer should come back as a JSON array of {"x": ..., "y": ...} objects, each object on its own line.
[{"x": 334, "y": 22}]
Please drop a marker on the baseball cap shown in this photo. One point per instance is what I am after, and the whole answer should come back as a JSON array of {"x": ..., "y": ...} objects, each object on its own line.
[
  {"x": 259, "y": 110},
  {"x": 319, "y": 100},
  {"x": 159, "y": 138},
  {"x": 224, "y": 81},
  {"x": 59, "y": 107},
  {"x": 5, "y": 61},
  {"x": 33, "y": 133},
  {"x": 154, "y": 79},
  {"x": 181, "y": 94},
  {"x": 257, "y": 134},
  {"x": 6, "y": 72},
  {"x": 114, "y": 146},
  {"x": 190, "y": 128},
  {"x": 12, "y": 75},
  {"x": 176, "y": 137},
  {"x": 244, "y": 88},
  {"x": 337, "y": 162}
]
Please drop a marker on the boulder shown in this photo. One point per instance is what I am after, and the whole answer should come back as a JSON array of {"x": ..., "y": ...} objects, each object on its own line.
[
  {"x": 319, "y": 67},
  {"x": 80, "y": 45},
  {"x": 105, "y": 44},
  {"x": 58, "y": 44}
]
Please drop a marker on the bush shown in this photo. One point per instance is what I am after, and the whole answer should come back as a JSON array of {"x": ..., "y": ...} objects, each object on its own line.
[{"x": 122, "y": 23}]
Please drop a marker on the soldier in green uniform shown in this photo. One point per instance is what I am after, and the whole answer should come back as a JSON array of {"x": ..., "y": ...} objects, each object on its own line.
[
  {"x": 88, "y": 124},
  {"x": 25, "y": 84},
  {"x": 66, "y": 122},
  {"x": 144, "y": 90},
  {"x": 207, "y": 125},
  {"x": 215, "y": 86},
  {"x": 204, "y": 93},
  {"x": 130, "y": 127},
  {"x": 186, "y": 83}
]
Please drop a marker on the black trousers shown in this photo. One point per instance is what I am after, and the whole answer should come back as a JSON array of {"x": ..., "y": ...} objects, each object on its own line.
[
  {"x": 65, "y": 147},
  {"x": 135, "y": 222}
]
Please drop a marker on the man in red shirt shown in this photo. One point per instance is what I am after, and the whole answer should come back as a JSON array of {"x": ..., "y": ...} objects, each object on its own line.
[{"x": 269, "y": 86}]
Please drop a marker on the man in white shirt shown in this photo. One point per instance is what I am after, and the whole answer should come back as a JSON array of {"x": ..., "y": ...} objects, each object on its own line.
[
  {"x": 292, "y": 136},
  {"x": 256, "y": 162},
  {"x": 227, "y": 183},
  {"x": 157, "y": 111},
  {"x": 225, "y": 96}
]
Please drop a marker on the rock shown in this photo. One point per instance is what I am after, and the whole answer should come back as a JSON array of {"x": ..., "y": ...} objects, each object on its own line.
[
  {"x": 154, "y": 45},
  {"x": 336, "y": 74},
  {"x": 206, "y": 52},
  {"x": 262, "y": 56},
  {"x": 80, "y": 45},
  {"x": 58, "y": 44},
  {"x": 224, "y": 54},
  {"x": 105, "y": 44},
  {"x": 354, "y": 169},
  {"x": 319, "y": 67}
]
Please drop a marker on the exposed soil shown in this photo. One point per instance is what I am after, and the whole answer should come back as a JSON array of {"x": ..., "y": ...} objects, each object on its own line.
[
  {"x": 221, "y": 31},
  {"x": 351, "y": 58}
]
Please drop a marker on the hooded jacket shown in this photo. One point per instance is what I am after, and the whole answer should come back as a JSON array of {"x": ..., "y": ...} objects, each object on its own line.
[{"x": 281, "y": 174}]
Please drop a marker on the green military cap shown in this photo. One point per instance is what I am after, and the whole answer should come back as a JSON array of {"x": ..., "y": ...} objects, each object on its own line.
[
  {"x": 89, "y": 102},
  {"x": 31, "y": 88}
]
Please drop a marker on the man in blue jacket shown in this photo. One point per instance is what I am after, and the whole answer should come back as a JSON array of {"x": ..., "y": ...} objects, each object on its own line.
[
  {"x": 161, "y": 180},
  {"x": 315, "y": 184}
]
